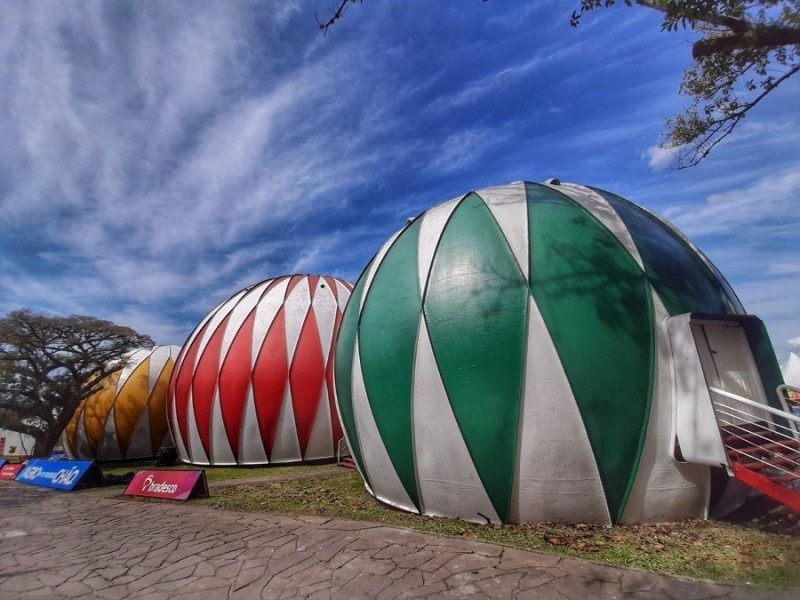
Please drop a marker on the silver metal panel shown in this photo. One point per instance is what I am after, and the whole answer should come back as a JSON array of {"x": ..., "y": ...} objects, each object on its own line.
[
  {"x": 604, "y": 212},
  {"x": 286, "y": 446},
  {"x": 695, "y": 426},
  {"x": 386, "y": 484},
  {"x": 220, "y": 448},
  {"x": 557, "y": 476},
  {"x": 448, "y": 483},
  {"x": 509, "y": 206},
  {"x": 320, "y": 440},
  {"x": 251, "y": 448},
  {"x": 664, "y": 489},
  {"x": 197, "y": 454}
]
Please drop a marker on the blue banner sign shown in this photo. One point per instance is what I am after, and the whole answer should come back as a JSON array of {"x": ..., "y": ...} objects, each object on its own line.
[
  {"x": 2, "y": 462},
  {"x": 57, "y": 474}
]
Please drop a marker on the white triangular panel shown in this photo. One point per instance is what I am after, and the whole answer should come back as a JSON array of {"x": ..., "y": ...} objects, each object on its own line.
[
  {"x": 604, "y": 212},
  {"x": 376, "y": 262},
  {"x": 175, "y": 430},
  {"x": 251, "y": 448},
  {"x": 218, "y": 317},
  {"x": 430, "y": 231},
  {"x": 447, "y": 480},
  {"x": 237, "y": 318},
  {"x": 221, "y": 452},
  {"x": 286, "y": 446},
  {"x": 132, "y": 361},
  {"x": 509, "y": 207},
  {"x": 664, "y": 489},
  {"x": 320, "y": 440},
  {"x": 295, "y": 310},
  {"x": 108, "y": 446},
  {"x": 139, "y": 442},
  {"x": 197, "y": 453},
  {"x": 188, "y": 343},
  {"x": 385, "y": 482},
  {"x": 324, "y": 305},
  {"x": 557, "y": 476},
  {"x": 67, "y": 446},
  {"x": 82, "y": 448},
  {"x": 342, "y": 293},
  {"x": 158, "y": 358},
  {"x": 265, "y": 315}
]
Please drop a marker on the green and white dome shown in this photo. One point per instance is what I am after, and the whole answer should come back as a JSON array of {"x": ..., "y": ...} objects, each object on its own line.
[{"x": 504, "y": 358}]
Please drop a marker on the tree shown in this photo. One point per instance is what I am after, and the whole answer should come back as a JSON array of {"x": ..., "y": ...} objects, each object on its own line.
[
  {"x": 50, "y": 364},
  {"x": 746, "y": 49}
]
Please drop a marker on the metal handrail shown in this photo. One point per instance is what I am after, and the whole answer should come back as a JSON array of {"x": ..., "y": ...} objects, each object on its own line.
[
  {"x": 342, "y": 449},
  {"x": 734, "y": 419},
  {"x": 780, "y": 413}
]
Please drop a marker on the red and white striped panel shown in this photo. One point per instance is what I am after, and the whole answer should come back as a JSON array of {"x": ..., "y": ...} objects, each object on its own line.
[{"x": 254, "y": 382}]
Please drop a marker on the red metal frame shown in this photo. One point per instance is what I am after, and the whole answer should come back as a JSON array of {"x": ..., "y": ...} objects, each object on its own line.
[{"x": 786, "y": 496}]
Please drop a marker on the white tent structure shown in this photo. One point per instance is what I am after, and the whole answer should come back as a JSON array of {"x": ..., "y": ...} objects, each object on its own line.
[
  {"x": 791, "y": 370},
  {"x": 14, "y": 443}
]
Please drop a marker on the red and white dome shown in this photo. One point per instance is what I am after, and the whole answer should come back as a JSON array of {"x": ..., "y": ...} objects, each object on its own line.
[{"x": 253, "y": 384}]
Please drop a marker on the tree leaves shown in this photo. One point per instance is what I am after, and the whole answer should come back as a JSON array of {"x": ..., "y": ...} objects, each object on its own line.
[
  {"x": 49, "y": 364},
  {"x": 747, "y": 49}
]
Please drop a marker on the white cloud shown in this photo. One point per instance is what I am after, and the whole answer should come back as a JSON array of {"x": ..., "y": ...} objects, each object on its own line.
[
  {"x": 151, "y": 150},
  {"x": 794, "y": 342},
  {"x": 463, "y": 148},
  {"x": 773, "y": 198},
  {"x": 659, "y": 158}
]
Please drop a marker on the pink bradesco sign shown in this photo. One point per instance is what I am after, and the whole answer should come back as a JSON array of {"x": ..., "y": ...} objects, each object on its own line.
[{"x": 169, "y": 485}]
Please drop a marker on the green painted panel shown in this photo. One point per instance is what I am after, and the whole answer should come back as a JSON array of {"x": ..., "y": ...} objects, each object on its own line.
[
  {"x": 343, "y": 366},
  {"x": 476, "y": 311},
  {"x": 766, "y": 362},
  {"x": 680, "y": 277},
  {"x": 387, "y": 342},
  {"x": 596, "y": 304}
]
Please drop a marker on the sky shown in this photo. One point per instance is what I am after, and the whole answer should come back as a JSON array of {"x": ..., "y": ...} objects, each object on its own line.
[{"x": 156, "y": 157}]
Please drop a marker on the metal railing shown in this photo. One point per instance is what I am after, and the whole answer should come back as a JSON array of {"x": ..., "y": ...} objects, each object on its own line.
[
  {"x": 757, "y": 425},
  {"x": 789, "y": 397},
  {"x": 342, "y": 449}
]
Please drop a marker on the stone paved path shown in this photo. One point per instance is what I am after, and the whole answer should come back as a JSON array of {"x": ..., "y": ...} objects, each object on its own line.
[{"x": 92, "y": 544}]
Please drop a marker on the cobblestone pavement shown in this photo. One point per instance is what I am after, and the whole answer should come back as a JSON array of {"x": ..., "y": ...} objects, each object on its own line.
[{"x": 95, "y": 544}]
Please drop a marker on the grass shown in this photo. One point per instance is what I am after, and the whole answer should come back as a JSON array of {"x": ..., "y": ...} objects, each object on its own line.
[
  {"x": 712, "y": 550},
  {"x": 216, "y": 474}
]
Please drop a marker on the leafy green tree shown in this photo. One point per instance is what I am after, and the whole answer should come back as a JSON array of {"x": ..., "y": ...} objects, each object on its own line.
[
  {"x": 746, "y": 48},
  {"x": 50, "y": 364}
]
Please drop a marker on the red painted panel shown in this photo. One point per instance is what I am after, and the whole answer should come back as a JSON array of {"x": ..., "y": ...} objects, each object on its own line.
[
  {"x": 331, "y": 283},
  {"x": 306, "y": 376},
  {"x": 269, "y": 380},
  {"x": 169, "y": 485},
  {"x": 205, "y": 381},
  {"x": 10, "y": 471},
  {"x": 788, "y": 497},
  {"x": 234, "y": 379},
  {"x": 312, "y": 284},
  {"x": 336, "y": 426},
  {"x": 292, "y": 282},
  {"x": 182, "y": 381}
]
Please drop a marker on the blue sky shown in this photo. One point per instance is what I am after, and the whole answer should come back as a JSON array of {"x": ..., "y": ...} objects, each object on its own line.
[{"x": 157, "y": 157}]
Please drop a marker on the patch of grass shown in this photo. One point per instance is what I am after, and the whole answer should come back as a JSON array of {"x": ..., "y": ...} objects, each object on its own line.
[
  {"x": 214, "y": 474},
  {"x": 711, "y": 550}
]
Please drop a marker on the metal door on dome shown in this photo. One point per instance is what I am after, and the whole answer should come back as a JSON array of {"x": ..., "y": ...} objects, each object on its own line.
[{"x": 728, "y": 363}]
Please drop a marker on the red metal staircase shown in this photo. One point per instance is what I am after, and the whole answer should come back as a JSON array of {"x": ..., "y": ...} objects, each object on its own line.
[
  {"x": 343, "y": 455},
  {"x": 762, "y": 444}
]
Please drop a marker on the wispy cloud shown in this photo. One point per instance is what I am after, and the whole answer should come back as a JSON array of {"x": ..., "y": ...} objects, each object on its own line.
[
  {"x": 772, "y": 199},
  {"x": 156, "y": 158}
]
